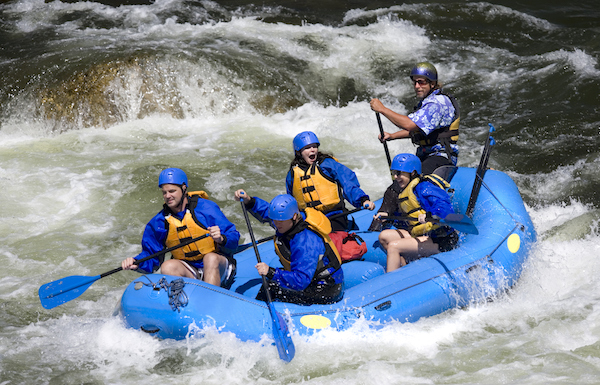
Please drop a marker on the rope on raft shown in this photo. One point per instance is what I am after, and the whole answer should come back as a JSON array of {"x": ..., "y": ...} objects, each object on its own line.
[{"x": 177, "y": 297}]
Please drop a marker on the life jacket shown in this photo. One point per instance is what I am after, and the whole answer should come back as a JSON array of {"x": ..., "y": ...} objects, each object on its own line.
[
  {"x": 189, "y": 227},
  {"x": 318, "y": 223},
  {"x": 312, "y": 188},
  {"x": 409, "y": 204},
  {"x": 445, "y": 135}
]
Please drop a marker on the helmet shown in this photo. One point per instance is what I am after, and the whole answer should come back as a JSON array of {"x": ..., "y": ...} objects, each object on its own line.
[
  {"x": 172, "y": 176},
  {"x": 424, "y": 69},
  {"x": 407, "y": 163},
  {"x": 304, "y": 139},
  {"x": 283, "y": 207}
]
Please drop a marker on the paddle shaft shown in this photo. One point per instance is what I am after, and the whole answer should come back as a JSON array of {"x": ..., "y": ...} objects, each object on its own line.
[
  {"x": 480, "y": 173},
  {"x": 284, "y": 343},
  {"x": 158, "y": 254},
  {"x": 385, "y": 146}
]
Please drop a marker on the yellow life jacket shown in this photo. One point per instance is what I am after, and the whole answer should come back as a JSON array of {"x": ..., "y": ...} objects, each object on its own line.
[
  {"x": 446, "y": 135},
  {"x": 409, "y": 204},
  {"x": 189, "y": 227},
  {"x": 312, "y": 188},
  {"x": 317, "y": 222}
]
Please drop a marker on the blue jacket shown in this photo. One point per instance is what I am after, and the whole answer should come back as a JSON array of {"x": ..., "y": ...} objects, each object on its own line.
[
  {"x": 432, "y": 199},
  {"x": 306, "y": 247},
  {"x": 207, "y": 212},
  {"x": 343, "y": 176}
]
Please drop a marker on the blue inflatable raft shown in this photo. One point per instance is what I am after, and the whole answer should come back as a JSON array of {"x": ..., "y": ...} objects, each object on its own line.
[{"x": 482, "y": 266}]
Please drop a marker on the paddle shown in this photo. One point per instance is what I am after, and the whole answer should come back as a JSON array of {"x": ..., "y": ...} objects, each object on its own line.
[
  {"x": 281, "y": 334},
  {"x": 481, "y": 169},
  {"x": 458, "y": 222},
  {"x": 66, "y": 289},
  {"x": 262, "y": 240},
  {"x": 385, "y": 146}
]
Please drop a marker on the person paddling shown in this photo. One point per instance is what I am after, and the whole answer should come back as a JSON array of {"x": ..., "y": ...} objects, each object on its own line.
[
  {"x": 416, "y": 197},
  {"x": 186, "y": 215},
  {"x": 433, "y": 125},
  {"x": 317, "y": 180},
  {"x": 311, "y": 272}
]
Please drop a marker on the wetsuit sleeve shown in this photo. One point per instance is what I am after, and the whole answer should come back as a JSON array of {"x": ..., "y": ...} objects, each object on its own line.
[
  {"x": 153, "y": 241},
  {"x": 210, "y": 214},
  {"x": 347, "y": 179},
  {"x": 433, "y": 199},
  {"x": 306, "y": 247},
  {"x": 390, "y": 200},
  {"x": 259, "y": 209}
]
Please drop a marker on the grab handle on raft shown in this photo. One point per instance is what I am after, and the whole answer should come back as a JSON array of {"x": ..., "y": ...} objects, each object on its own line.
[
  {"x": 66, "y": 289},
  {"x": 481, "y": 169},
  {"x": 281, "y": 334}
]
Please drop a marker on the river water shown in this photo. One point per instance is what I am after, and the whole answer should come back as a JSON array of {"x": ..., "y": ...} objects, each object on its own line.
[{"x": 97, "y": 98}]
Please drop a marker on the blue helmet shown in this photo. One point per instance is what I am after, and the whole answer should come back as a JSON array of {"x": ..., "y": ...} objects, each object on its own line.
[
  {"x": 283, "y": 207},
  {"x": 407, "y": 163},
  {"x": 424, "y": 69},
  {"x": 172, "y": 176},
  {"x": 304, "y": 139}
]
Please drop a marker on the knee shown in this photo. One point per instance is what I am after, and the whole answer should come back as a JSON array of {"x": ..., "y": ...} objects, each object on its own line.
[
  {"x": 386, "y": 236},
  {"x": 168, "y": 267}
]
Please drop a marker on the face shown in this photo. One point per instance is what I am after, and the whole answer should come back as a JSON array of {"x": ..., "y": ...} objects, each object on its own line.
[
  {"x": 422, "y": 86},
  {"x": 402, "y": 177},
  {"x": 285, "y": 226},
  {"x": 309, "y": 153},
  {"x": 172, "y": 195}
]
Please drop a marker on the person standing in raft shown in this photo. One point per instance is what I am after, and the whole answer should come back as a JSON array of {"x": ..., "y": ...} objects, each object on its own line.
[
  {"x": 187, "y": 215},
  {"x": 433, "y": 125},
  {"x": 417, "y": 197},
  {"x": 311, "y": 272},
  {"x": 319, "y": 181}
]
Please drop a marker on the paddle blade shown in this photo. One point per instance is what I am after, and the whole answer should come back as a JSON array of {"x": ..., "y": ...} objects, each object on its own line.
[
  {"x": 283, "y": 339},
  {"x": 460, "y": 223},
  {"x": 63, "y": 290}
]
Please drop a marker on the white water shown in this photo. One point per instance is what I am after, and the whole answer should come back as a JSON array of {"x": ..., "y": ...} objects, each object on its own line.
[{"x": 75, "y": 203}]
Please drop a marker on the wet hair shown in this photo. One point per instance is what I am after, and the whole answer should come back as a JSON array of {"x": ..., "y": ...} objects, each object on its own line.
[{"x": 299, "y": 160}]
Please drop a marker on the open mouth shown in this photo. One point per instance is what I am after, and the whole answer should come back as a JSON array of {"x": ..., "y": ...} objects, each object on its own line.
[{"x": 312, "y": 157}]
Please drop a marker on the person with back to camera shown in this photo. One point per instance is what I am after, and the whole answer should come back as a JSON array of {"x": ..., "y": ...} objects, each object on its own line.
[
  {"x": 186, "y": 215},
  {"x": 433, "y": 125},
  {"x": 311, "y": 272},
  {"x": 418, "y": 198},
  {"x": 319, "y": 181}
]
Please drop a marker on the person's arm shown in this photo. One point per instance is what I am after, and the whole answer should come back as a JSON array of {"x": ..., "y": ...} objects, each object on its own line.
[
  {"x": 434, "y": 199},
  {"x": 348, "y": 180},
  {"x": 210, "y": 214},
  {"x": 399, "y": 120},
  {"x": 153, "y": 241},
  {"x": 305, "y": 248}
]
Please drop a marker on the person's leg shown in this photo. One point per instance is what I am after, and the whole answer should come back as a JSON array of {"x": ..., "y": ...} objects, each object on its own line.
[
  {"x": 177, "y": 268},
  {"x": 387, "y": 238},
  {"x": 432, "y": 162},
  {"x": 409, "y": 249},
  {"x": 214, "y": 267}
]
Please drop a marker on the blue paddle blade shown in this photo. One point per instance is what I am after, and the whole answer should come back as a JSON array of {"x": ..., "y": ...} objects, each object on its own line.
[
  {"x": 283, "y": 339},
  {"x": 460, "y": 223},
  {"x": 63, "y": 290}
]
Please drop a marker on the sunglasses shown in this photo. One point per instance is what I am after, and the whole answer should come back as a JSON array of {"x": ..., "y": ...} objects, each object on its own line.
[{"x": 421, "y": 82}]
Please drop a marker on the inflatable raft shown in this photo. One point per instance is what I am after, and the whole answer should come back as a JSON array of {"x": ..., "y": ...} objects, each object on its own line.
[{"x": 482, "y": 266}]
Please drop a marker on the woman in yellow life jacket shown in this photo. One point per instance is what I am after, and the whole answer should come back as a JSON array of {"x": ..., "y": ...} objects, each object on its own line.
[
  {"x": 311, "y": 272},
  {"x": 415, "y": 197},
  {"x": 319, "y": 181},
  {"x": 186, "y": 215}
]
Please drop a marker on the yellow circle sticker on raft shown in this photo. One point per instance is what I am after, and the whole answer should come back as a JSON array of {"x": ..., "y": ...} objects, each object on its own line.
[
  {"x": 315, "y": 321},
  {"x": 514, "y": 243}
]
